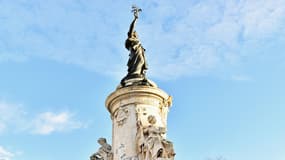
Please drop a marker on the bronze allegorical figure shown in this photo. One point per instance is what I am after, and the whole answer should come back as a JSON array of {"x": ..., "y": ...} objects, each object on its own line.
[{"x": 137, "y": 65}]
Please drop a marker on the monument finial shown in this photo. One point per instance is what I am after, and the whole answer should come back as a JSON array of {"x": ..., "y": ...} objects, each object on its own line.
[{"x": 136, "y": 10}]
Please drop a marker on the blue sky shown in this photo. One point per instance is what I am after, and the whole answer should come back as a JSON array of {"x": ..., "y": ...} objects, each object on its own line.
[{"x": 222, "y": 61}]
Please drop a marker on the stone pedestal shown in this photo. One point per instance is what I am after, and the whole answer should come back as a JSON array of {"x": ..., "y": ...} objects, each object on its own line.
[{"x": 130, "y": 108}]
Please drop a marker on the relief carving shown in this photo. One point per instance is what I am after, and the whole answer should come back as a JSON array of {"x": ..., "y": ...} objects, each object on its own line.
[
  {"x": 121, "y": 151},
  {"x": 121, "y": 116},
  {"x": 150, "y": 142}
]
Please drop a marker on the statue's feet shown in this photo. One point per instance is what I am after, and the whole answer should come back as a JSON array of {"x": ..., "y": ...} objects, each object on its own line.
[{"x": 136, "y": 79}]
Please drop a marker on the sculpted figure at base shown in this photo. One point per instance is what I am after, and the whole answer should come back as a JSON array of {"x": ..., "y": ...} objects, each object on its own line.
[
  {"x": 104, "y": 152},
  {"x": 150, "y": 143}
]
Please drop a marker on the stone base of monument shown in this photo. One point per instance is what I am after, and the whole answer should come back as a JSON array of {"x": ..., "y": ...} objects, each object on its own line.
[{"x": 135, "y": 112}]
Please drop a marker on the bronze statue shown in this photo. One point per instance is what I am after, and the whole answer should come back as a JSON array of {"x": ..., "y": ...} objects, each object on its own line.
[
  {"x": 104, "y": 152},
  {"x": 137, "y": 65}
]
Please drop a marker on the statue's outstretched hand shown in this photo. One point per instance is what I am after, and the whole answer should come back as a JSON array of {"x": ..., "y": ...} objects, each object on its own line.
[{"x": 136, "y": 15}]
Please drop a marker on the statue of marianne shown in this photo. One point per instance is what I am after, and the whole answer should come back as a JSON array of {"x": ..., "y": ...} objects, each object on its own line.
[{"x": 137, "y": 65}]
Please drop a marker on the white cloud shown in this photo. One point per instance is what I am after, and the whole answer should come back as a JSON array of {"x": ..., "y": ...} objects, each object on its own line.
[
  {"x": 241, "y": 78},
  {"x": 260, "y": 18},
  {"x": 14, "y": 118},
  {"x": 4, "y": 57},
  {"x": 181, "y": 38},
  {"x": 11, "y": 115},
  {"x": 5, "y": 155},
  {"x": 208, "y": 35},
  {"x": 48, "y": 122}
]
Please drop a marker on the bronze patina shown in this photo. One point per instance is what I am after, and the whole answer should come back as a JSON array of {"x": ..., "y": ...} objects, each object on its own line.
[{"x": 137, "y": 64}]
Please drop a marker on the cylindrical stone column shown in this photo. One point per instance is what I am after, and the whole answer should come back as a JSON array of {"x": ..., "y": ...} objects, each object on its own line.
[{"x": 130, "y": 105}]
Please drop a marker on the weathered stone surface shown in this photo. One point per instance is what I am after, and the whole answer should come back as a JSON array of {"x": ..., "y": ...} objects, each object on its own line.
[
  {"x": 104, "y": 152},
  {"x": 151, "y": 144},
  {"x": 130, "y": 108}
]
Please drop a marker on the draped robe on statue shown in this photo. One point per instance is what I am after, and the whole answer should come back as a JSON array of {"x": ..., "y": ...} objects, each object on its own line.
[{"x": 137, "y": 62}]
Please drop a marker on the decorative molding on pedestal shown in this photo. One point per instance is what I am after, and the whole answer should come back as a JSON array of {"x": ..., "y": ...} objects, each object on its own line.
[{"x": 139, "y": 95}]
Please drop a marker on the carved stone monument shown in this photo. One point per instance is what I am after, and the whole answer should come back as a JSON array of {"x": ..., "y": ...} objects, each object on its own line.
[
  {"x": 104, "y": 152},
  {"x": 138, "y": 110}
]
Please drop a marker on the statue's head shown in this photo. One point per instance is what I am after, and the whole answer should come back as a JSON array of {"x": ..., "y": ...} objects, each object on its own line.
[
  {"x": 135, "y": 34},
  {"x": 151, "y": 119},
  {"x": 102, "y": 141}
]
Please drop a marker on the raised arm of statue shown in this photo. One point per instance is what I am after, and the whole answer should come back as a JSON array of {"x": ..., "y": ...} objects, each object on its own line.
[
  {"x": 132, "y": 27},
  {"x": 136, "y": 11}
]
